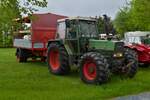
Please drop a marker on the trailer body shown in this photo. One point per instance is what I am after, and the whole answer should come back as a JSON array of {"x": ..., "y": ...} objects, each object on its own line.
[{"x": 34, "y": 40}]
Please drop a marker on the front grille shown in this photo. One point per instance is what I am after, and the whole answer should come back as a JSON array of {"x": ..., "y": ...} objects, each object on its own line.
[{"x": 119, "y": 47}]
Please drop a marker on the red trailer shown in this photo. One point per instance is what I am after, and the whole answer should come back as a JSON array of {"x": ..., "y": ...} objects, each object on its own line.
[{"x": 32, "y": 43}]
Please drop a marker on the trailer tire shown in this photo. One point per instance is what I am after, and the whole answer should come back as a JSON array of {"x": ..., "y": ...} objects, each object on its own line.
[
  {"x": 94, "y": 68},
  {"x": 21, "y": 55},
  {"x": 58, "y": 59},
  {"x": 145, "y": 65}
]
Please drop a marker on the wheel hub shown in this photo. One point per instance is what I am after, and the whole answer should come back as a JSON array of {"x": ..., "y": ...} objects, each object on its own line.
[{"x": 89, "y": 70}]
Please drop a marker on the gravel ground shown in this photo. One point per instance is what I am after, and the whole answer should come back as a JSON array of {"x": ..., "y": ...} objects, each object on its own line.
[{"x": 142, "y": 96}]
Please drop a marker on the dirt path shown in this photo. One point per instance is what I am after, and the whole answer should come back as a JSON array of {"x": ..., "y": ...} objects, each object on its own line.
[{"x": 141, "y": 96}]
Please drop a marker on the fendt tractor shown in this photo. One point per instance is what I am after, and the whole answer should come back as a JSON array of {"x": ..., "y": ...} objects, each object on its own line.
[
  {"x": 139, "y": 42},
  {"x": 77, "y": 42}
]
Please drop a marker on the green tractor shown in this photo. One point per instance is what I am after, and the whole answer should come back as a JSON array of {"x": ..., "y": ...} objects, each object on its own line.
[{"x": 78, "y": 43}]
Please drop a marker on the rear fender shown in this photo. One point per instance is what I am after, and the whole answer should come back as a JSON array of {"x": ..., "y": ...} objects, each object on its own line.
[{"x": 61, "y": 42}]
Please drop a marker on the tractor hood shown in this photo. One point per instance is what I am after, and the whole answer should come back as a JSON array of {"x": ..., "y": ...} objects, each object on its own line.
[{"x": 106, "y": 45}]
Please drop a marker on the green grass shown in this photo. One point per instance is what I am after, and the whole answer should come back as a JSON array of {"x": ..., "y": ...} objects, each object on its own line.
[{"x": 32, "y": 81}]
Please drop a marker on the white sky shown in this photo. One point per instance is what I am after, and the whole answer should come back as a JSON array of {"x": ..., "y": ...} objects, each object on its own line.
[{"x": 84, "y": 7}]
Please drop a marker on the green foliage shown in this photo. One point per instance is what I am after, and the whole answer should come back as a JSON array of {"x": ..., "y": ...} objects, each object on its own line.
[
  {"x": 11, "y": 9},
  {"x": 24, "y": 6},
  {"x": 8, "y": 12},
  {"x": 133, "y": 17},
  {"x": 102, "y": 24},
  {"x": 27, "y": 6},
  {"x": 122, "y": 21},
  {"x": 140, "y": 10}
]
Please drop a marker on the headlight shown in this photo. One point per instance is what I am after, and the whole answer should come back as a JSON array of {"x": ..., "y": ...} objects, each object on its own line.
[{"x": 118, "y": 55}]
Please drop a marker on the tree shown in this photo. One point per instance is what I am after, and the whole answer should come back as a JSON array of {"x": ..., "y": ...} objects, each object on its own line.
[
  {"x": 133, "y": 17},
  {"x": 25, "y": 6},
  {"x": 11, "y": 9},
  {"x": 140, "y": 10},
  {"x": 105, "y": 25},
  {"x": 100, "y": 24},
  {"x": 8, "y": 12},
  {"x": 122, "y": 21}
]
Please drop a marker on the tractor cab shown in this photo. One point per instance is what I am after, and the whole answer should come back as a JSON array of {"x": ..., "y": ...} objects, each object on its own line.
[
  {"x": 77, "y": 32},
  {"x": 81, "y": 35},
  {"x": 77, "y": 27}
]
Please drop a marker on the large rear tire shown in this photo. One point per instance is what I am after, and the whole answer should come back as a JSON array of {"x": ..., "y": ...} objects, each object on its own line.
[
  {"x": 94, "y": 68},
  {"x": 58, "y": 60}
]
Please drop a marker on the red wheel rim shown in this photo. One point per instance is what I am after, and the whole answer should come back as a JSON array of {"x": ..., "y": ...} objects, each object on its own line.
[
  {"x": 54, "y": 59},
  {"x": 89, "y": 70}
]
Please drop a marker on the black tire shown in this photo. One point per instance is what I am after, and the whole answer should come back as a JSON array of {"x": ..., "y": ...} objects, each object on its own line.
[
  {"x": 63, "y": 59},
  {"x": 102, "y": 68},
  {"x": 43, "y": 59},
  {"x": 21, "y": 55},
  {"x": 144, "y": 65},
  {"x": 131, "y": 56}
]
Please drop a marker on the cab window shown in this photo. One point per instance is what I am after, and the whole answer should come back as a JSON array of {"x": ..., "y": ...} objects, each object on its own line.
[
  {"x": 72, "y": 30},
  {"x": 61, "y": 30}
]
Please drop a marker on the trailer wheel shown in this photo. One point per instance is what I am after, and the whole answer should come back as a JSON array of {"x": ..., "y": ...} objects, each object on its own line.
[
  {"x": 144, "y": 65},
  {"x": 131, "y": 63},
  {"x": 94, "y": 68},
  {"x": 21, "y": 55},
  {"x": 58, "y": 60}
]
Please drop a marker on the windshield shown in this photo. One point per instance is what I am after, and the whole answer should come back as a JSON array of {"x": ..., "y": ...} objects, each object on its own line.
[
  {"x": 88, "y": 28},
  {"x": 134, "y": 40},
  {"x": 139, "y": 39}
]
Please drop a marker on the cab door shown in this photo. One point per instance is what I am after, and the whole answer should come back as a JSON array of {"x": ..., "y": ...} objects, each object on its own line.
[{"x": 72, "y": 37}]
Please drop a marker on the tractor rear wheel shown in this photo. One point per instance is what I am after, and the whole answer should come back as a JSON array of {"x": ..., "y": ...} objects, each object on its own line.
[
  {"x": 58, "y": 60},
  {"x": 21, "y": 55},
  {"x": 131, "y": 63},
  {"x": 94, "y": 68}
]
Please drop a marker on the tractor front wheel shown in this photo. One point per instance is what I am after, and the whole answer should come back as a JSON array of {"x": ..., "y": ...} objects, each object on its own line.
[
  {"x": 58, "y": 60},
  {"x": 94, "y": 68},
  {"x": 130, "y": 63}
]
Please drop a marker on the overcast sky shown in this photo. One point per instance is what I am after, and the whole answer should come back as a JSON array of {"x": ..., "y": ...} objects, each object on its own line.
[{"x": 84, "y": 7}]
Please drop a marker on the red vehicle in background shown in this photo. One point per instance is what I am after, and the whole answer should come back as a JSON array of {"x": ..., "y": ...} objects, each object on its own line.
[
  {"x": 32, "y": 43},
  {"x": 140, "y": 42}
]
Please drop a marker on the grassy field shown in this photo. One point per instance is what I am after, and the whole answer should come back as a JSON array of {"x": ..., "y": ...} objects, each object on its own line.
[{"x": 32, "y": 81}]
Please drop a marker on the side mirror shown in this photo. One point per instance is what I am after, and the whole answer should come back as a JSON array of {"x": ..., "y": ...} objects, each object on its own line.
[{"x": 67, "y": 23}]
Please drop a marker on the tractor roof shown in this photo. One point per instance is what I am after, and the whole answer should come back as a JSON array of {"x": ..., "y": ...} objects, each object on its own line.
[
  {"x": 137, "y": 33},
  {"x": 78, "y": 18}
]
